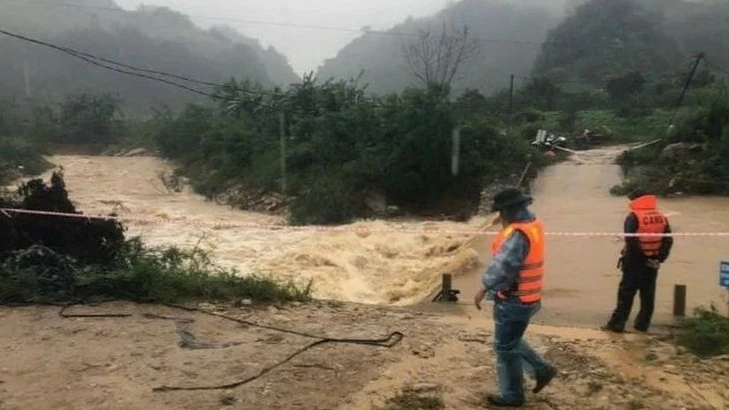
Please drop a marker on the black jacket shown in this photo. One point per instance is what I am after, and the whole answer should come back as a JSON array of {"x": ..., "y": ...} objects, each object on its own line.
[{"x": 633, "y": 253}]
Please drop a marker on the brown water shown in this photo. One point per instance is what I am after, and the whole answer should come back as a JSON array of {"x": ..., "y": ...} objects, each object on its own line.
[
  {"x": 404, "y": 268},
  {"x": 582, "y": 278},
  {"x": 373, "y": 268}
]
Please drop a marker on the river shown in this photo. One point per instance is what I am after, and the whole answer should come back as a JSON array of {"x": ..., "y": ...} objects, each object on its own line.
[{"x": 374, "y": 266}]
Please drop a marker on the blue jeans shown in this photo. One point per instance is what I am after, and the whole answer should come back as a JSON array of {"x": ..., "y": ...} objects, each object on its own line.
[{"x": 513, "y": 354}]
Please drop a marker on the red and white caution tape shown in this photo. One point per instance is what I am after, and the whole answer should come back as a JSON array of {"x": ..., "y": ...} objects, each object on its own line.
[{"x": 426, "y": 230}]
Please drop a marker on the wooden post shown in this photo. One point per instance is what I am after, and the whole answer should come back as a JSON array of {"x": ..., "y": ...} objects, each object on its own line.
[
  {"x": 446, "y": 288},
  {"x": 447, "y": 294},
  {"x": 679, "y": 300}
]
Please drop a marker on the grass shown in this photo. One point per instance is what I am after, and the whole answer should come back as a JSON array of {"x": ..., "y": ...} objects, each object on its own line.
[
  {"x": 171, "y": 275},
  {"x": 706, "y": 334}
]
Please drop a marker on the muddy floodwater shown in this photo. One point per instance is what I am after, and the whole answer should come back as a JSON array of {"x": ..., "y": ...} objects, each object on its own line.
[{"x": 375, "y": 264}]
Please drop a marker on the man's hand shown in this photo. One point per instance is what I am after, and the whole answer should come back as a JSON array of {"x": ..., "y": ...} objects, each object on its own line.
[
  {"x": 653, "y": 264},
  {"x": 479, "y": 298}
]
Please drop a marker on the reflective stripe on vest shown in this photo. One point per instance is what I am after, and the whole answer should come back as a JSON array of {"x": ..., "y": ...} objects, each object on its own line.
[{"x": 531, "y": 276}]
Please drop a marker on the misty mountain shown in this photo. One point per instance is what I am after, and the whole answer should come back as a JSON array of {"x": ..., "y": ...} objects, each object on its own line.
[
  {"x": 149, "y": 37},
  {"x": 606, "y": 38},
  {"x": 508, "y": 38},
  {"x": 603, "y": 38}
]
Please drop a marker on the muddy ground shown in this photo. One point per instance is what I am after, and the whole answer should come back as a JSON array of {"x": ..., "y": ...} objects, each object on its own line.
[{"x": 48, "y": 362}]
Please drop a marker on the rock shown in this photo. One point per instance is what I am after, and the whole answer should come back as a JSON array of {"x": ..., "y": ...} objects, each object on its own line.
[
  {"x": 392, "y": 210},
  {"x": 677, "y": 151},
  {"x": 376, "y": 202},
  {"x": 136, "y": 152},
  {"x": 228, "y": 401},
  {"x": 206, "y": 306},
  {"x": 243, "y": 302},
  {"x": 422, "y": 387},
  {"x": 425, "y": 352}
]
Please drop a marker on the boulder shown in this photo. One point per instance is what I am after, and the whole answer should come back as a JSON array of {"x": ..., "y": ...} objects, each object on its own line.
[
  {"x": 376, "y": 202},
  {"x": 677, "y": 151},
  {"x": 136, "y": 152}
]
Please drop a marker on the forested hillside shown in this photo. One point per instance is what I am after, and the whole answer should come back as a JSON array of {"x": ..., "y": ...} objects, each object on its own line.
[
  {"x": 157, "y": 38},
  {"x": 507, "y": 38},
  {"x": 576, "y": 40}
]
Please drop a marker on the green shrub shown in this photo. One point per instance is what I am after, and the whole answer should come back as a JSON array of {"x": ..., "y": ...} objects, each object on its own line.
[
  {"x": 325, "y": 199},
  {"x": 39, "y": 275},
  {"x": 706, "y": 334}
]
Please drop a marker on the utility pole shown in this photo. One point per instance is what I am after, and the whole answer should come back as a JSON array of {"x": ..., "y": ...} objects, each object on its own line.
[
  {"x": 511, "y": 103},
  {"x": 282, "y": 142},
  {"x": 699, "y": 57},
  {"x": 26, "y": 72}
]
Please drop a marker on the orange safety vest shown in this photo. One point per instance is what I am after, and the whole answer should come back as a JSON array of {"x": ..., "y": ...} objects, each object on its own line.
[
  {"x": 650, "y": 221},
  {"x": 531, "y": 277}
]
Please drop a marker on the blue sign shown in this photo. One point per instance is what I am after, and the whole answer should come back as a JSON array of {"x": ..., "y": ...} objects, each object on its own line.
[{"x": 724, "y": 274}]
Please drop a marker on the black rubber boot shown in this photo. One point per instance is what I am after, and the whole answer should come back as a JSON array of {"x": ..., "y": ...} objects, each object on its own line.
[
  {"x": 542, "y": 382},
  {"x": 496, "y": 401}
]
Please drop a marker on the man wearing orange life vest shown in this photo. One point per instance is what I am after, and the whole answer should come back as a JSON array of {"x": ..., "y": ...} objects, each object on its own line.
[
  {"x": 514, "y": 281},
  {"x": 640, "y": 260}
]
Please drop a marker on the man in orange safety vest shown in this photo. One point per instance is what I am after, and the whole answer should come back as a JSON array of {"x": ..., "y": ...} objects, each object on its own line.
[
  {"x": 640, "y": 260},
  {"x": 514, "y": 280}
]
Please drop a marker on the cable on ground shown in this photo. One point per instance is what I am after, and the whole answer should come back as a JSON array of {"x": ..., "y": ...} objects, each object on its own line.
[{"x": 187, "y": 340}]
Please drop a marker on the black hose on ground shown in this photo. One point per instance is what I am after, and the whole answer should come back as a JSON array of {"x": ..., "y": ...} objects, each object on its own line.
[{"x": 187, "y": 340}]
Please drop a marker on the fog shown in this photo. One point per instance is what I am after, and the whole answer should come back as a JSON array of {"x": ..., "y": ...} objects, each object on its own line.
[{"x": 307, "y": 48}]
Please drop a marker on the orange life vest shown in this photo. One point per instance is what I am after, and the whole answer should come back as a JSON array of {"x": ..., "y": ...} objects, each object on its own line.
[
  {"x": 531, "y": 277},
  {"x": 650, "y": 221}
]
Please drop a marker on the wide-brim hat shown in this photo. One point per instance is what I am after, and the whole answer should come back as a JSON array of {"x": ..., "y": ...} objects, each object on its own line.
[{"x": 509, "y": 198}]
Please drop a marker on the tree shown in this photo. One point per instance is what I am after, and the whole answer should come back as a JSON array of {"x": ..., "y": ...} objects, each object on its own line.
[
  {"x": 623, "y": 87},
  {"x": 434, "y": 59},
  {"x": 88, "y": 118},
  {"x": 542, "y": 92}
]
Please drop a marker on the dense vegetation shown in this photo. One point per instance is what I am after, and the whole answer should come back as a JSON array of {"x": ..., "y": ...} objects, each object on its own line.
[
  {"x": 54, "y": 260},
  {"x": 342, "y": 147},
  {"x": 602, "y": 38},
  {"x": 706, "y": 334},
  {"x": 149, "y": 37},
  {"x": 693, "y": 157}
]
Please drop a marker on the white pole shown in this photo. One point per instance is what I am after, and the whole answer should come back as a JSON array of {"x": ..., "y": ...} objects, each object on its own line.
[
  {"x": 455, "y": 156},
  {"x": 282, "y": 136}
]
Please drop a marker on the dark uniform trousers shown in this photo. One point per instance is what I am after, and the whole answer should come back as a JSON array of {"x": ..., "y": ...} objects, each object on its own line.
[{"x": 637, "y": 278}]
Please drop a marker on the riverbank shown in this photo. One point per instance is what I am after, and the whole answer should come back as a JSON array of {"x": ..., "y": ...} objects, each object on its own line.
[{"x": 115, "y": 363}]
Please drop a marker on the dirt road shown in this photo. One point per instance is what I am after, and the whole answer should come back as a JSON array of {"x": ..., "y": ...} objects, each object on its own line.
[{"x": 114, "y": 363}]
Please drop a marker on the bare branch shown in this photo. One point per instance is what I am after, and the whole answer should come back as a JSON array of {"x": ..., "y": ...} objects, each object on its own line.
[{"x": 435, "y": 60}]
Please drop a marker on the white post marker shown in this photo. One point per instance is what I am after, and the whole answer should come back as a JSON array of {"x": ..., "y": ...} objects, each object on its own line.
[{"x": 455, "y": 155}]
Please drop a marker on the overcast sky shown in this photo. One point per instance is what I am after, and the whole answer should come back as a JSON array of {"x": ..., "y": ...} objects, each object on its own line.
[{"x": 306, "y": 49}]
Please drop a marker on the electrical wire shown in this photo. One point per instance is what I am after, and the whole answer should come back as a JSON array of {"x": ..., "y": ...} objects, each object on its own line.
[{"x": 534, "y": 43}]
